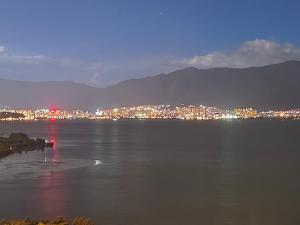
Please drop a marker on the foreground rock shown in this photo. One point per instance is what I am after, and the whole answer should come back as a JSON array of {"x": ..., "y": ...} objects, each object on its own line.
[
  {"x": 58, "y": 221},
  {"x": 19, "y": 142}
]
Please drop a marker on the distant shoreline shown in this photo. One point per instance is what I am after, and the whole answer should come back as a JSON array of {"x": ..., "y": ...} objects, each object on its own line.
[{"x": 155, "y": 119}]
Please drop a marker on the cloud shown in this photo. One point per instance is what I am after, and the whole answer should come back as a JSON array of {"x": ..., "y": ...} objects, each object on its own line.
[
  {"x": 3, "y": 51},
  {"x": 251, "y": 53},
  {"x": 38, "y": 67},
  {"x": 7, "y": 56},
  {"x": 109, "y": 73},
  {"x": 42, "y": 67}
]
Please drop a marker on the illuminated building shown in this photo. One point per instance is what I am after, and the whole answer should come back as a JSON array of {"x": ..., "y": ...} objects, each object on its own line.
[
  {"x": 245, "y": 113},
  {"x": 184, "y": 112}
]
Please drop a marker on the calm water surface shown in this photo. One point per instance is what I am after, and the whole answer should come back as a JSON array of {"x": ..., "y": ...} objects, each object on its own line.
[{"x": 157, "y": 172}]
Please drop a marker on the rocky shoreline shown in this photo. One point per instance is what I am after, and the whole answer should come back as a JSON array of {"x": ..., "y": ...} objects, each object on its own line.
[
  {"x": 20, "y": 142},
  {"x": 57, "y": 221}
]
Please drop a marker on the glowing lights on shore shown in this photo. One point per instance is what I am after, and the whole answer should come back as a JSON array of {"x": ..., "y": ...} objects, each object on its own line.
[
  {"x": 190, "y": 112},
  {"x": 181, "y": 112}
]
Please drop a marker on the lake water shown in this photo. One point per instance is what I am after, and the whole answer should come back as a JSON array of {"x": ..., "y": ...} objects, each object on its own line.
[{"x": 157, "y": 172}]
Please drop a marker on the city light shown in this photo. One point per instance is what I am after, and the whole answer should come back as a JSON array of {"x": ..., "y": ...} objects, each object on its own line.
[{"x": 180, "y": 112}]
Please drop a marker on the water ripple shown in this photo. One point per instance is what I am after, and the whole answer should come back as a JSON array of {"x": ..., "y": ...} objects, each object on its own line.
[{"x": 34, "y": 164}]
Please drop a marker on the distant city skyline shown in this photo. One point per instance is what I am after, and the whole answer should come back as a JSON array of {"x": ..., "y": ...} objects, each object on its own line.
[
  {"x": 103, "y": 42},
  {"x": 148, "y": 111}
]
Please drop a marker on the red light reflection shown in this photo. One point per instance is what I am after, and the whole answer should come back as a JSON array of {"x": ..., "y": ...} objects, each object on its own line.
[
  {"x": 53, "y": 138},
  {"x": 52, "y": 193}
]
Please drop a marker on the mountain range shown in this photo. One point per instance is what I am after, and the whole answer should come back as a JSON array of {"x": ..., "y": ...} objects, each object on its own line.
[{"x": 272, "y": 86}]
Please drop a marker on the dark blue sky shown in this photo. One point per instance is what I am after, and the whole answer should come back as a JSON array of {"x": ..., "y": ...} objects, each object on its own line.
[{"x": 103, "y": 42}]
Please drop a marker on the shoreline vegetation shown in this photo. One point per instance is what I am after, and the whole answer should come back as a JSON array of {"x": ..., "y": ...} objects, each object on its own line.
[
  {"x": 20, "y": 142},
  {"x": 57, "y": 221}
]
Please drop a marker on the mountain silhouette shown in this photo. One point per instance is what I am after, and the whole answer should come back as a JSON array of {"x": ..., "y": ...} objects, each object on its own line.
[{"x": 273, "y": 86}]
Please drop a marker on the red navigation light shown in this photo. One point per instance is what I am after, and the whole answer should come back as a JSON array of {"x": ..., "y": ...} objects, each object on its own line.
[
  {"x": 52, "y": 119},
  {"x": 53, "y": 110}
]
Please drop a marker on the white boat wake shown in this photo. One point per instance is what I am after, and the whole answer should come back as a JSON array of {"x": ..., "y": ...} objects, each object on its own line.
[{"x": 97, "y": 162}]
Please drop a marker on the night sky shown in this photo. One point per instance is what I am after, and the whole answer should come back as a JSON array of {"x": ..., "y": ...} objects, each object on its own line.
[{"x": 103, "y": 42}]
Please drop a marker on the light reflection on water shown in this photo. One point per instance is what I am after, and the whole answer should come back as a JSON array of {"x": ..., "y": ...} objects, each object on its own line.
[
  {"x": 32, "y": 164},
  {"x": 228, "y": 183},
  {"x": 51, "y": 199},
  {"x": 42, "y": 162},
  {"x": 157, "y": 172}
]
